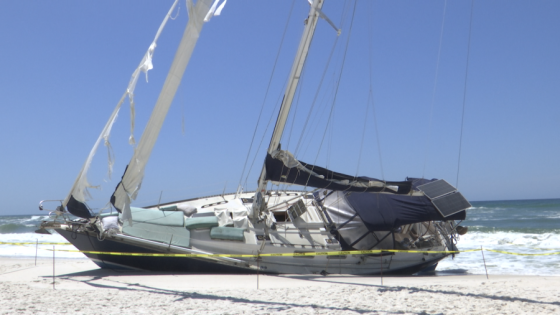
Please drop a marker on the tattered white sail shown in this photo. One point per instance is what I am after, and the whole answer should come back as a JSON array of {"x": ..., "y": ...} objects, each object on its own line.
[
  {"x": 75, "y": 201},
  {"x": 129, "y": 186},
  {"x": 79, "y": 191}
]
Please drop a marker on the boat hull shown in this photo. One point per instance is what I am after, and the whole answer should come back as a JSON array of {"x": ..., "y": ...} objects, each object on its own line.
[
  {"x": 89, "y": 242},
  {"x": 85, "y": 241}
]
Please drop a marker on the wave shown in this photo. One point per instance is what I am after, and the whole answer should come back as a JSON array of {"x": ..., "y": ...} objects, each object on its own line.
[
  {"x": 38, "y": 218},
  {"x": 20, "y": 224},
  {"x": 30, "y": 250},
  {"x": 514, "y": 244},
  {"x": 17, "y": 228}
]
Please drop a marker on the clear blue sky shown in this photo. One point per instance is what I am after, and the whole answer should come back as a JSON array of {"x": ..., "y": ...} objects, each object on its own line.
[{"x": 65, "y": 65}]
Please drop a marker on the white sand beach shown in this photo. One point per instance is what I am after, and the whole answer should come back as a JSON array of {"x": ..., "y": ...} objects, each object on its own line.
[{"x": 83, "y": 288}]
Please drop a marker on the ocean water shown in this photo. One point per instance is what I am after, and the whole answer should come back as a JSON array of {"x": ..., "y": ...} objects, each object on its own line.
[
  {"x": 514, "y": 226},
  {"x": 21, "y": 229}
]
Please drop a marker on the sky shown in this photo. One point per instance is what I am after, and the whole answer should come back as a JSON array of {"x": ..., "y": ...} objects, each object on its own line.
[{"x": 412, "y": 88}]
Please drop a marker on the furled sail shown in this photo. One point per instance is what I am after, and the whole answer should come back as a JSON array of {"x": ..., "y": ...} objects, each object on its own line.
[
  {"x": 282, "y": 166},
  {"x": 128, "y": 188},
  {"x": 75, "y": 202}
]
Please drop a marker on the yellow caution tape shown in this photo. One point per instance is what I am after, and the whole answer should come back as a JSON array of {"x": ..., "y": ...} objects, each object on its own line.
[
  {"x": 331, "y": 253},
  {"x": 520, "y": 254},
  {"x": 297, "y": 254},
  {"x": 33, "y": 243}
]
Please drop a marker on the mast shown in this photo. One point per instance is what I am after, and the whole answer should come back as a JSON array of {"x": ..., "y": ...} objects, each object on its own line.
[{"x": 295, "y": 73}]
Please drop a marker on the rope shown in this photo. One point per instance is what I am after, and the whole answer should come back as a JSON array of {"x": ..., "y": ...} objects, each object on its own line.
[{"x": 464, "y": 96}]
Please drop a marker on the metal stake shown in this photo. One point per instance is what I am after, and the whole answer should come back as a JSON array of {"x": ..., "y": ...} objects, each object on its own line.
[
  {"x": 482, "y": 251},
  {"x": 53, "y": 268},
  {"x": 381, "y": 262}
]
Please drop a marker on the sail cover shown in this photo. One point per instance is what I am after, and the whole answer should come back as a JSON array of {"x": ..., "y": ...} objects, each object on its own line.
[
  {"x": 379, "y": 211},
  {"x": 281, "y": 166}
]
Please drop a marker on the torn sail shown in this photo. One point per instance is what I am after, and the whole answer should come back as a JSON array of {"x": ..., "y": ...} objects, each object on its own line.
[{"x": 129, "y": 186}]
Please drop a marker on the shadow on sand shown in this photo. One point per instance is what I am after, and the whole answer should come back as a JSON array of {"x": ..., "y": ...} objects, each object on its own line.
[{"x": 94, "y": 277}]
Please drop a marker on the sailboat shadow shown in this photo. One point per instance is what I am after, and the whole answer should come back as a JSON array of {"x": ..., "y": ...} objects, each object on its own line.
[
  {"x": 412, "y": 289},
  {"x": 95, "y": 276}
]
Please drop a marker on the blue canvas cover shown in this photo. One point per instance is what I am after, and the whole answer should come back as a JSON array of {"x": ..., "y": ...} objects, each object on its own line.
[
  {"x": 385, "y": 212},
  {"x": 381, "y": 211}
]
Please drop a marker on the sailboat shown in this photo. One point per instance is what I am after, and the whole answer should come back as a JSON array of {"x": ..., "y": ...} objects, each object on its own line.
[{"x": 345, "y": 224}]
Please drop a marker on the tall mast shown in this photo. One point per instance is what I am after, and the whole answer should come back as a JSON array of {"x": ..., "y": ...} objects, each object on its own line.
[{"x": 295, "y": 73}]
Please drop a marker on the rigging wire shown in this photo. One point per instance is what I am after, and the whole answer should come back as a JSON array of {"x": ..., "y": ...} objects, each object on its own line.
[
  {"x": 376, "y": 134},
  {"x": 464, "y": 95},
  {"x": 337, "y": 83},
  {"x": 362, "y": 141},
  {"x": 275, "y": 110},
  {"x": 323, "y": 76},
  {"x": 314, "y": 121},
  {"x": 294, "y": 111},
  {"x": 370, "y": 96},
  {"x": 314, "y": 102},
  {"x": 429, "y": 131},
  {"x": 266, "y": 95}
]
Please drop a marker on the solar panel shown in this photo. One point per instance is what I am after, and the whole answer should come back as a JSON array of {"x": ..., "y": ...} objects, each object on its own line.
[
  {"x": 436, "y": 188},
  {"x": 296, "y": 210},
  {"x": 451, "y": 204}
]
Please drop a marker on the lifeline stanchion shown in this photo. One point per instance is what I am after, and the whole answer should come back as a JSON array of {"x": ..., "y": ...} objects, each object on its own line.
[{"x": 482, "y": 251}]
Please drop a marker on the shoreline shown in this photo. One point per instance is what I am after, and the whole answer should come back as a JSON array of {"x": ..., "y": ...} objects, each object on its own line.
[{"x": 81, "y": 287}]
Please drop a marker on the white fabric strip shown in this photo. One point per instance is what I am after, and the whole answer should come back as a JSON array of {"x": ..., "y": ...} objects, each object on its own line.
[
  {"x": 213, "y": 10},
  {"x": 144, "y": 66}
]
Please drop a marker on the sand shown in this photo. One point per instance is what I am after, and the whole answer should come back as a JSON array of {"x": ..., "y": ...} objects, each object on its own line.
[{"x": 82, "y": 288}]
